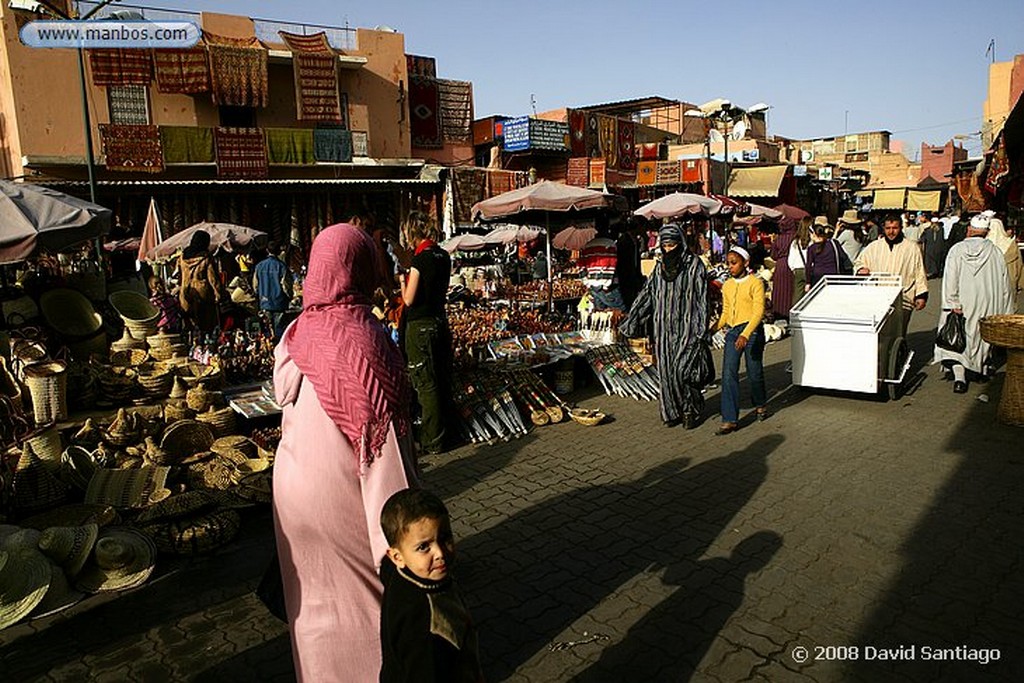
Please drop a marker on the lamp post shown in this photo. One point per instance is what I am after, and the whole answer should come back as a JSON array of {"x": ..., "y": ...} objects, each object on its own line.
[{"x": 42, "y": 7}]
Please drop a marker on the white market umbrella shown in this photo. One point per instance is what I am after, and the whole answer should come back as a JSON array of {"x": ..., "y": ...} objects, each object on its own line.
[
  {"x": 574, "y": 237},
  {"x": 465, "y": 242},
  {"x": 513, "y": 234},
  {"x": 679, "y": 204}
]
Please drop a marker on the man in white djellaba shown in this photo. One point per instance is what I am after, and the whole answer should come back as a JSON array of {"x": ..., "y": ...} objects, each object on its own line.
[{"x": 975, "y": 283}]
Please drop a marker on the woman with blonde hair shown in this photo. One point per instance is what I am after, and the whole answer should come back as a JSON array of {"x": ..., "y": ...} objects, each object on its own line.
[
  {"x": 426, "y": 339},
  {"x": 797, "y": 259}
]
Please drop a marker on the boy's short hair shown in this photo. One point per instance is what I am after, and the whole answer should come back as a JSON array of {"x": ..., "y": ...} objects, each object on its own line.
[{"x": 404, "y": 508}]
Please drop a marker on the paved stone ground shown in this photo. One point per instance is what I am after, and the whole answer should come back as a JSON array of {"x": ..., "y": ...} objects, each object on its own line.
[{"x": 633, "y": 552}]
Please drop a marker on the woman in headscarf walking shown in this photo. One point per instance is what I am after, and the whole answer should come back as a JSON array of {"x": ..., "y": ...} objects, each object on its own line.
[
  {"x": 199, "y": 292},
  {"x": 674, "y": 301},
  {"x": 344, "y": 450},
  {"x": 782, "y": 279}
]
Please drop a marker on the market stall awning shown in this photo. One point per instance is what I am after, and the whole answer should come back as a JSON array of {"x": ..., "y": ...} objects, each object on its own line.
[
  {"x": 889, "y": 199},
  {"x": 758, "y": 181},
  {"x": 34, "y": 217},
  {"x": 923, "y": 200},
  {"x": 542, "y": 196}
]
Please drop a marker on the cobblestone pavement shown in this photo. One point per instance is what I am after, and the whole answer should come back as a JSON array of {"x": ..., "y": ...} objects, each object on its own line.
[{"x": 844, "y": 524}]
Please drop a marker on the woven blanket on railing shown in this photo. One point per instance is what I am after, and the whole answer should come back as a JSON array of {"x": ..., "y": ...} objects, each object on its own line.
[
  {"x": 121, "y": 66},
  {"x": 332, "y": 144},
  {"x": 291, "y": 146},
  {"x": 667, "y": 172},
  {"x": 456, "y": 110},
  {"x": 315, "y": 66},
  {"x": 241, "y": 152},
  {"x": 187, "y": 144},
  {"x": 425, "y": 112},
  {"x": 578, "y": 172},
  {"x": 184, "y": 71},
  {"x": 132, "y": 148},
  {"x": 421, "y": 66},
  {"x": 238, "y": 71}
]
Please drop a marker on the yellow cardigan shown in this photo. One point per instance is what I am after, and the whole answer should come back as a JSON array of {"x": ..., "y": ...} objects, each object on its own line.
[{"x": 742, "y": 302}]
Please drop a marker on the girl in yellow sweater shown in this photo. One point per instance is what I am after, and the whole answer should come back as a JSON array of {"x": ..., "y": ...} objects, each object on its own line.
[{"x": 742, "y": 314}]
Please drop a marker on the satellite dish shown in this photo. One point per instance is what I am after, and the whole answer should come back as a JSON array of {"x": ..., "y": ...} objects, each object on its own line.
[
  {"x": 739, "y": 130},
  {"x": 716, "y": 135}
]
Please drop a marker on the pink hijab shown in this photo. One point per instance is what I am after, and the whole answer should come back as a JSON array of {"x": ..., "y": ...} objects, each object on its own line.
[{"x": 342, "y": 349}]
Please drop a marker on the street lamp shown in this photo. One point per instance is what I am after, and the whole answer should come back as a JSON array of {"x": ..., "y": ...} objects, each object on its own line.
[{"x": 42, "y": 7}]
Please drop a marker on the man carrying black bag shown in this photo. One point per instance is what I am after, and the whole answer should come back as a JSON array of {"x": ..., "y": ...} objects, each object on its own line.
[{"x": 975, "y": 284}]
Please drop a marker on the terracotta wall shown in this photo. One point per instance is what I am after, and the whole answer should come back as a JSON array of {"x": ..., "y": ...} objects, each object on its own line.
[
  {"x": 937, "y": 162},
  {"x": 41, "y": 114}
]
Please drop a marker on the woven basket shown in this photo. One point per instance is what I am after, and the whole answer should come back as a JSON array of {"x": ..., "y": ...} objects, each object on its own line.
[
  {"x": 48, "y": 384},
  {"x": 183, "y": 505},
  {"x": 223, "y": 421},
  {"x": 45, "y": 443},
  {"x": 245, "y": 446},
  {"x": 187, "y": 437},
  {"x": 129, "y": 358},
  {"x": 1004, "y": 330},
  {"x": 175, "y": 411},
  {"x": 195, "y": 535},
  {"x": 75, "y": 320},
  {"x": 127, "y": 342},
  {"x": 133, "y": 306},
  {"x": 199, "y": 399},
  {"x": 125, "y": 488},
  {"x": 586, "y": 417}
]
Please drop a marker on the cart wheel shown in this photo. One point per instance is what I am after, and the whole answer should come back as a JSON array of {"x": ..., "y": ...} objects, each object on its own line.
[{"x": 897, "y": 356}]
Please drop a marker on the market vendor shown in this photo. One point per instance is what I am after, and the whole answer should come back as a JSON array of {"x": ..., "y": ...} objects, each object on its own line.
[
  {"x": 199, "y": 293},
  {"x": 426, "y": 338},
  {"x": 599, "y": 261}
]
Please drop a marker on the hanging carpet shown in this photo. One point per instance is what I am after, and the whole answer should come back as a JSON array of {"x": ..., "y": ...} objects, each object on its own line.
[
  {"x": 185, "y": 71},
  {"x": 608, "y": 133},
  {"x": 315, "y": 66},
  {"x": 132, "y": 148},
  {"x": 121, "y": 66},
  {"x": 128, "y": 104},
  {"x": 593, "y": 136},
  {"x": 332, "y": 144},
  {"x": 456, "y": 99},
  {"x": 598, "y": 168},
  {"x": 578, "y": 172},
  {"x": 291, "y": 146},
  {"x": 421, "y": 66},
  {"x": 577, "y": 133},
  {"x": 425, "y": 112},
  {"x": 667, "y": 172},
  {"x": 187, "y": 144},
  {"x": 241, "y": 153},
  {"x": 627, "y": 154},
  {"x": 469, "y": 185},
  {"x": 238, "y": 71}
]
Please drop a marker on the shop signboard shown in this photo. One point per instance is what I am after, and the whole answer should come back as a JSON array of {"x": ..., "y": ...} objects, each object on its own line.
[
  {"x": 517, "y": 134},
  {"x": 553, "y": 135}
]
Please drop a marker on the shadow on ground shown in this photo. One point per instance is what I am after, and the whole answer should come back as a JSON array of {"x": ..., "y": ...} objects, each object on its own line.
[
  {"x": 961, "y": 576},
  {"x": 534, "y": 574}
]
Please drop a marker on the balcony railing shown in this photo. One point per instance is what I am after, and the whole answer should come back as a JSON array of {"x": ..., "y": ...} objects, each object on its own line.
[{"x": 340, "y": 38}]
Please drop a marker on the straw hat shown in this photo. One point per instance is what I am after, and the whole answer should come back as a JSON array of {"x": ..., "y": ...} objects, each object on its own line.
[
  {"x": 35, "y": 487},
  {"x": 45, "y": 443},
  {"x": 850, "y": 217},
  {"x": 59, "y": 596},
  {"x": 73, "y": 515},
  {"x": 183, "y": 505},
  {"x": 126, "y": 488},
  {"x": 88, "y": 435},
  {"x": 238, "y": 443},
  {"x": 25, "y": 577},
  {"x": 21, "y": 539},
  {"x": 123, "y": 558},
  {"x": 69, "y": 546},
  {"x": 185, "y": 438}
]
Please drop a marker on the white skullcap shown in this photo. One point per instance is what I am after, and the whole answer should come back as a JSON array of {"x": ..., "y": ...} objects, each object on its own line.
[{"x": 981, "y": 222}]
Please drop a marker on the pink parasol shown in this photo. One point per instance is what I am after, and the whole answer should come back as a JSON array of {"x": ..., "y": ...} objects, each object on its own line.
[
  {"x": 794, "y": 212},
  {"x": 679, "y": 204},
  {"x": 152, "y": 234},
  {"x": 511, "y": 234},
  {"x": 542, "y": 196},
  {"x": 574, "y": 237},
  {"x": 733, "y": 206}
]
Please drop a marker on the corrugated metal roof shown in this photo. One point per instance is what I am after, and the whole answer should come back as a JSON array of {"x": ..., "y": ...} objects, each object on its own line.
[{"x": 368, "y": 182}]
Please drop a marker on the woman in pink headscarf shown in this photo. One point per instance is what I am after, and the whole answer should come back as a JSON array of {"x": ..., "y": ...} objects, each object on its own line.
[{"x": 344, "y": 450}]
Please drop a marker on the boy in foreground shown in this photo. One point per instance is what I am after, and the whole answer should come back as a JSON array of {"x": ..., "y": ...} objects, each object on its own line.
[{"x": 426, "y": 632}]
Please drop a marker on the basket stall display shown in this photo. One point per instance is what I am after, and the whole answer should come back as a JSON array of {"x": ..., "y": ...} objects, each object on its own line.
[{"x": 1007, "y": 331}]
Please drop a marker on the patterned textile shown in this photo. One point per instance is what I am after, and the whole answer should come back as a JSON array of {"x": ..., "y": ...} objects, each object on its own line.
[
  {"x": 241, "y": 152},
  {"x": 970, "y": 192},
  {"x": 597, "y": 172},
  {"x": 578, "y": 172},
  {"x": 627, "y": 156},
  {"x": 238, "y": 71},
  {"x": 999, "y": 167},
  {"x": 593, "y": 136},
  {"x": 292, "y": 146},
  {"x": 121, "y": 66},
  {"x": 648, "y": 151},
  {"x": 425, "y": 112},
  {"x": 360, "y": 143},
  {"x": 499, "y": 182},
  {"x": 646, "y": 172},
  {"x": 128, "y": 104},
  {"x": 132, "y": 148},
  {"x": 578, "y": 133},
  {"x": 456, "y": 110},
  {"x": 332, "y": 144},
  {"x": 609, "y": 140},
  {"x": 184, "y": 71},
  {"x": 469, "y": 185},
  {"x": 187, "y": 144},
  {"x": 315, "y": 65},
  {"x": 667, "y": 172},
  {"x": 421, "y": 66}
]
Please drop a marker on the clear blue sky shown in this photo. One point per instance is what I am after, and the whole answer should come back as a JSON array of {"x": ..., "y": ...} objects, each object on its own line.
[{"x": 913, "y": 67}]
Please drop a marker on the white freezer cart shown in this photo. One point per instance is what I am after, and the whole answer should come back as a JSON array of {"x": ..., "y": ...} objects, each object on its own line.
[{"x": 847, "y": 336}]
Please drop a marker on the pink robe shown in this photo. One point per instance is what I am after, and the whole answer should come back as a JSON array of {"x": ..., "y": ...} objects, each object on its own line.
[{"x": 327, "y": 521}]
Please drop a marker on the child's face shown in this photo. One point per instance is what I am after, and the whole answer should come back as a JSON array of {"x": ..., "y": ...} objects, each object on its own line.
[
  {"x": 737, "y": 266},
  {"x": 426, "y": 548}
]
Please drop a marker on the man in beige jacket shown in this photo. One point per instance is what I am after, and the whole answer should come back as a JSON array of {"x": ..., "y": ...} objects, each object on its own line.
[{"x": 896, "y": 255}]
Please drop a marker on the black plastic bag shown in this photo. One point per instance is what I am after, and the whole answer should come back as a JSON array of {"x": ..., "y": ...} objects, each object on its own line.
[
  {"x": 271, "y": 590},
  {"x": 952, "y": 336}
]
